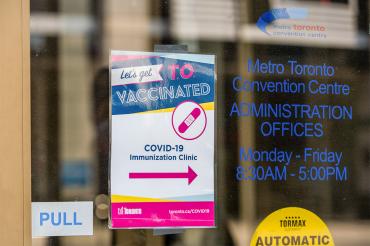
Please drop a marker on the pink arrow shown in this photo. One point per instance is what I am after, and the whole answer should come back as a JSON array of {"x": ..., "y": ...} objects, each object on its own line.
[{"x": 190, "y": 175}]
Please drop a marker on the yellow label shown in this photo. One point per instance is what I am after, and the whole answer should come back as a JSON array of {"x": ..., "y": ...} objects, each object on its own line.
[{"x": 292, "y": 226}]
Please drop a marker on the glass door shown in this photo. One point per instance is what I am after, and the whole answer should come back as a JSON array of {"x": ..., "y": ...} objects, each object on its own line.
[{"x": 292, "y": 109}]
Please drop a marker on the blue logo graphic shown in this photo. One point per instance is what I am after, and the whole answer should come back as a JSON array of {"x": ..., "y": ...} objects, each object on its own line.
[{"x": 281, "y": 13}]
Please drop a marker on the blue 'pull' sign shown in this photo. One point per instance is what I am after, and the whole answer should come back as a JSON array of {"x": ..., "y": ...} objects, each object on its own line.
[
  {"x": 62, "y": 219},
  {"x": 59, "y": 218}
]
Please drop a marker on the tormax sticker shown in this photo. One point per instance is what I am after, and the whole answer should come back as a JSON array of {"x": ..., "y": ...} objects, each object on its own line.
[
  {"x": 292, "y": 226},
  {"x": 162, "y": 140}
]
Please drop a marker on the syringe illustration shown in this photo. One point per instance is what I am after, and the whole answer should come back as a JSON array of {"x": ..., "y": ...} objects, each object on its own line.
[{"x": 189, "y": 120}]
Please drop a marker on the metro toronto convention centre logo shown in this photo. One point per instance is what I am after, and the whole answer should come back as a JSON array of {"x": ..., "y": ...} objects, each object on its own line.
[{"x": 268, "y": 23}]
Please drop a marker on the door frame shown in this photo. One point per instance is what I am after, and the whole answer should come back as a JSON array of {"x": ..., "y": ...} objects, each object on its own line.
[{"x": 15, "y": 124}]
